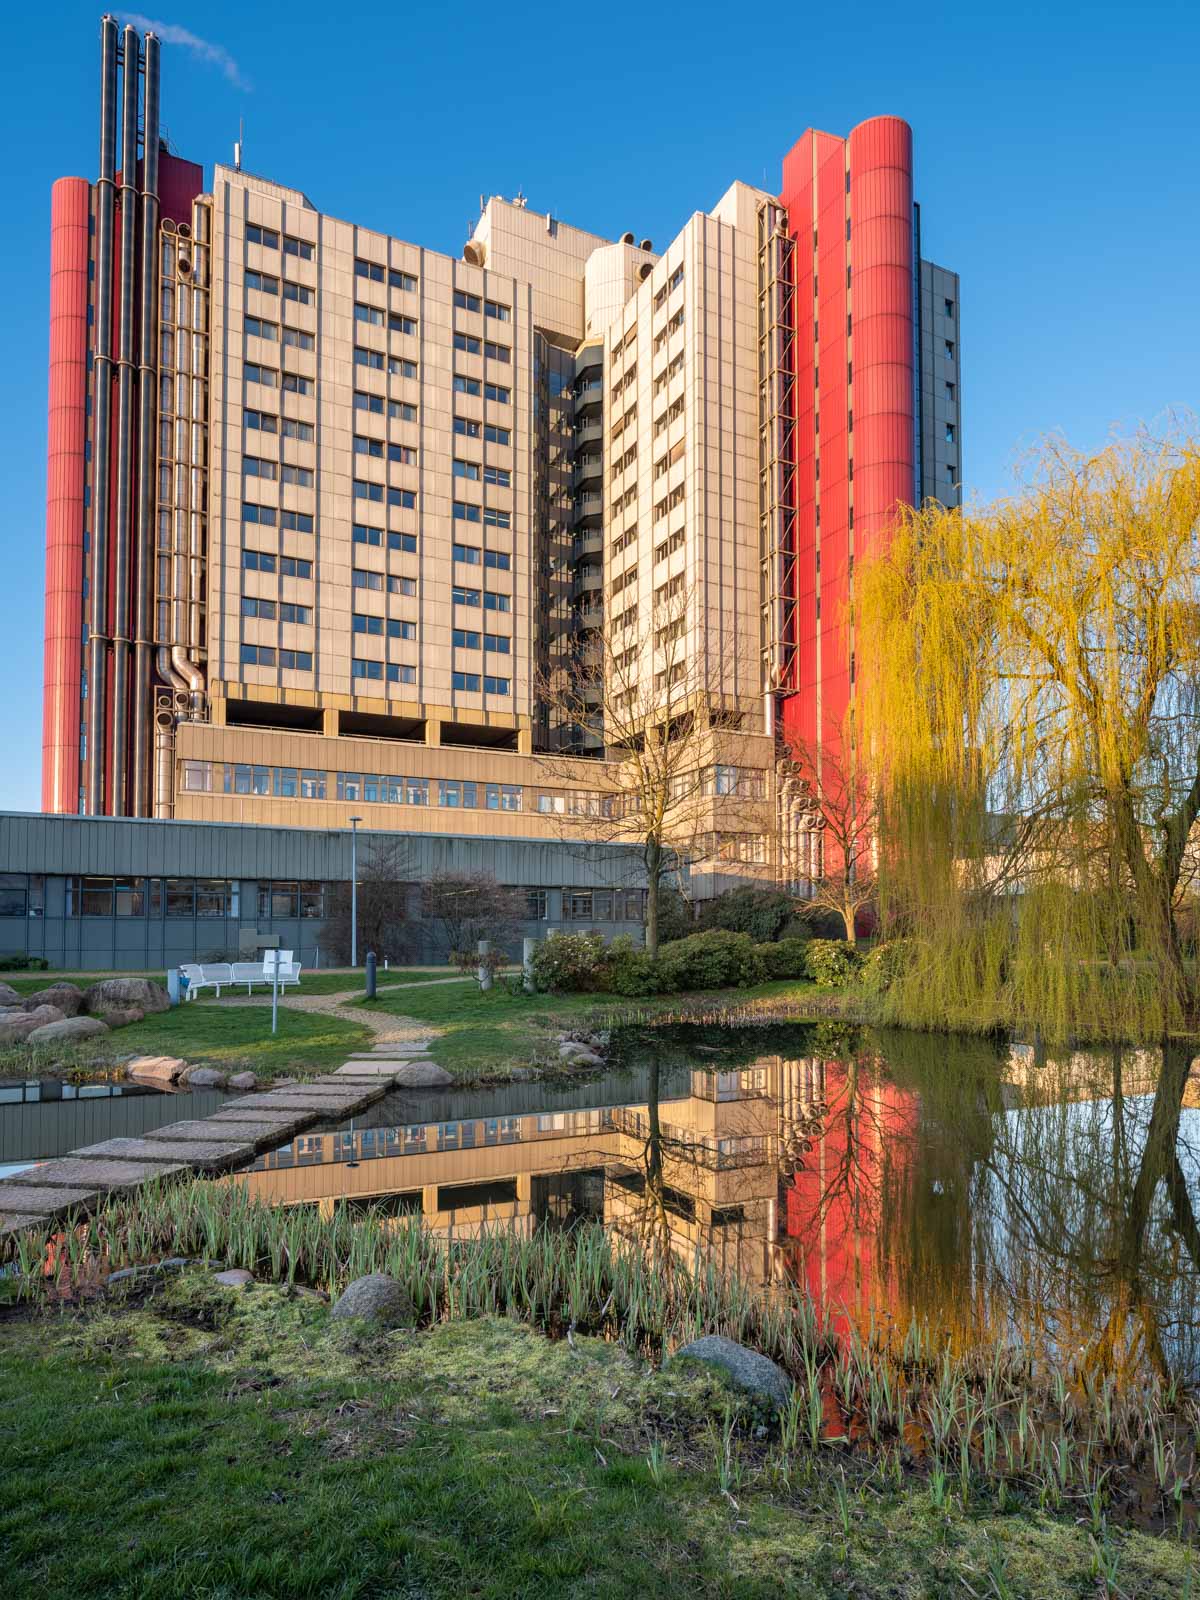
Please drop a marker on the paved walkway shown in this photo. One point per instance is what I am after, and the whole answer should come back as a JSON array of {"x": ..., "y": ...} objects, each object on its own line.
[
  {"x": 387, "y": 1027},
  {"x": 229, "y": 1139}
]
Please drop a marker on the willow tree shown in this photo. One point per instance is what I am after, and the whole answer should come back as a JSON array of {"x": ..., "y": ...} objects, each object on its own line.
[{"x": 1029, "y": 694}]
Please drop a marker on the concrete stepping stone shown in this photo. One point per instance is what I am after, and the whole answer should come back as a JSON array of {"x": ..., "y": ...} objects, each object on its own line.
[
  {"x": 200, "y": 1130},
  {"x": 96, "y": 1177},
  {"x": 43, "y": 1199},
  {"x": 329, "y": 1094},
  {"x": 400, "y": 1048},
  {"x": 18, "y": 1221},
  {"x": 384, "y": 1071},
  {"x": 264, "y": 1130},
  {"x": 213, "y": 1155}
]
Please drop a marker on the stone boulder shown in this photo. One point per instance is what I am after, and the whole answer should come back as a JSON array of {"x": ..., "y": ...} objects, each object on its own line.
[
  {"x": 116, "y": 994},
  {"x": 69, "y": 1030},
  {"x": 156, "y": 1069},
  {"x": 422, "y": 1075},
  {"x": 18, "y": 1025},
  {"x": 120, "y": 1016},
  {"x": 204, "y": 1078},
  {"x": 376, "y": 1298},
  {"x": 8, "y": 995},
  {"x": 574, "y": 1054},
  {"x": 747, "y": 1370},
  {"x": 243, "y": 1080},
  {"x": 67, "y": 997},
  {"x": 234, "y": 1278}
]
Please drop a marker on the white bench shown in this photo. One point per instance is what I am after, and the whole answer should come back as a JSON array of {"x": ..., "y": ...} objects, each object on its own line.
[
  {"x": 207, "y": 977},
  {"x": 222, "y": 974}
]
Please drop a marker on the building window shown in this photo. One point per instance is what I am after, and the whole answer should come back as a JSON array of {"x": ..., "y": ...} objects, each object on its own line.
[
  {"x": 252, "y": 607},
  {"x": 535, "y": 905},
  {"x": 465, "y": 301},
  {"x": 464, "y": 597},
  {"x": 397, "y": 673},
  {"x": 949, "y": 307},
  {"x": 466, "y": 513},
  {"x": 467, "y": 385},
  {"x": 298, "y": 292},
  {"x": 368, "y": 314},
  {"x": 500, "y": 476},
  {"x": 297, "y": 521},
  {"x": 467, "y": 428},
  {"x": 497, "y": 352},
  {"x": 268, "y": 377},
  {"x": 300, "y": 248},
  {"x": 402, "y": 585},
  {"x": 465, "y": 639},
  {"x": 258, "y": 561},
  {"x": 196, "y": 776},
  {"x": 267, "y": 237},
  {"x": 401, "y": 280},
  {"x": 498, "y": 643},
  {"x": 296, "y": 660},
  {"x": 949, "y": 433},
  {"x": 295, "y": 567},
  {"x": 256, "y": 328},
  {"x": 468, "y": 343},
  {"x": 496, "y": 311},
  {"x": 397, "y": 629},
  {"x": 366, "y": 669},
  {"x": 302, "y": 476},
  {"x": 503, "y": 796},
  {"x": 467, "y": 681},
  {"x": 467, "y": 553},
  {"x": 496, "y": 519},
  {"x": 403, "y": 541},
  {"x": 401, "y": 324},
  {"x": 263, "y": 282},
  {"x": 289, "y": 612},
  {"x": 497, "y": 559},
  {"x": 258, "y": 655},
  {"x": 371, "y": 270},
  {"x": 364, "y": 624},
  {"x": 456, "y": 793},
  {"x": 495, "y": 435},
  {"x": 496, "y": 685},
  {"x": 295, "y": 384},
  {"x": 467, "y": 469},
  {"x": 949, "y": 349},
  {"x": 264, "y": 516},
  {"x": 241, "y": 778},
  {"x": 493, "y": 391},
  {"x": 22, "y": 894}
]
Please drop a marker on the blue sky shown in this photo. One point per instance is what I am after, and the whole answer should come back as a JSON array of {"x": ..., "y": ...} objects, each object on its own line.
[{"x": 1056, "y": 149}]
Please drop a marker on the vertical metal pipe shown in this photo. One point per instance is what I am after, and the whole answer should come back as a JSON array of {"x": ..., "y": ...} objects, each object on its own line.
[
  {"x": 101, "y": 441},
  {"x": 147, "y": 419},
  {"x": 126, "y": 374}
]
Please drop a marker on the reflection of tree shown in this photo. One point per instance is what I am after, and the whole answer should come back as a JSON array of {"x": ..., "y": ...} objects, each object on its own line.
[{"x": 1094, "y": 1191}]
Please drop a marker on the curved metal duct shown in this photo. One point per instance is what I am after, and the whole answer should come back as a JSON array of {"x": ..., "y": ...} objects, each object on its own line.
[
  {"x": 102, "y": 405},
  {"x": 143, "y": 623}
]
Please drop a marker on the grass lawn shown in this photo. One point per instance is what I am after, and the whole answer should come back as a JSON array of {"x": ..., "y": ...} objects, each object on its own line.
[
  {"x": 329, "y": 980},
  {"x": 234, "y": 1038},
  {"x": 222, "y": 1443},
  {"x": 492, "y": 1032}
]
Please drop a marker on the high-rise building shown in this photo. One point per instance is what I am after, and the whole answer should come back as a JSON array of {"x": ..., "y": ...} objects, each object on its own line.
[{"x": 327, "y": 510}]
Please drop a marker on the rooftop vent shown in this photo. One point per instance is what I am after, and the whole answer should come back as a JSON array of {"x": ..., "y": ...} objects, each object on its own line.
[
  {"x": 646, "y": 244},
  {"x": 626, "y": 238},
  {"x": 474, "y": 253}
]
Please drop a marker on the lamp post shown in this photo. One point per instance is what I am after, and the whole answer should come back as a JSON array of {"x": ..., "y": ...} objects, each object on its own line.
[{"x": 354, "y": 822}]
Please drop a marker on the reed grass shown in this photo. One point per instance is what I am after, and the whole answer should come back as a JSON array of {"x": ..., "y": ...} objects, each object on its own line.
[{"x": 1000, "y": 1422}]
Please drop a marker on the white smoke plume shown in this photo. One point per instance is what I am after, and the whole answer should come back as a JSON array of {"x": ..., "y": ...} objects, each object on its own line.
[{"x": 214, "y": 55}]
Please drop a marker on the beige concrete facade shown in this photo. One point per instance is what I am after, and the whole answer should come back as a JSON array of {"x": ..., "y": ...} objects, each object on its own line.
[{"x": 377, "y": 582}]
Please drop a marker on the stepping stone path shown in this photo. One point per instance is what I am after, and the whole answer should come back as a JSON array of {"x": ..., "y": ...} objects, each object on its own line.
[{"x": 223, "y": 1142}]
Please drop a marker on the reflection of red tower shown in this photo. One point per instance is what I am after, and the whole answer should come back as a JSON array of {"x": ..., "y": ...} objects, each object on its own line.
[{"x": 859, "y": 1168}]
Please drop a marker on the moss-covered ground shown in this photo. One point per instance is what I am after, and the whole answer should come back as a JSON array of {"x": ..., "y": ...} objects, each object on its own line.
[{"x": 231, "y": 1443}]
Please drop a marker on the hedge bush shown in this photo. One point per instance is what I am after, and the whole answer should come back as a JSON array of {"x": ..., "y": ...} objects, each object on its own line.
[
  {"x": 762, "y": 913},
  {"x": 571, "y": 963},
  {"x": 884, "y": 963},
  {"x": 787, "y": 958},
  {"x": 714, "y": 960},
  {"x": 831, "y": 962}
]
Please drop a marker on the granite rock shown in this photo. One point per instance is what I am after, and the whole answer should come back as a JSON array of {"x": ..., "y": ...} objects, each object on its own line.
[
  {"x": 746, "y": 1369},
  {"x": 376, "y": 1298}
]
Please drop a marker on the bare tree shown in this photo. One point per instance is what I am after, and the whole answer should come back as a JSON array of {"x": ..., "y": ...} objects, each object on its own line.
[
  {"x": 462, "y": 908},
  {"x": 662, "y": 709},
  {"x": 384, "y": 882},
  {"x": 839, "y": 798}
]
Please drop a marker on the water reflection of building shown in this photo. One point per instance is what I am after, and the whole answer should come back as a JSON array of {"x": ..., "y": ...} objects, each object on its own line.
[
  {"x": 726, "y": 1143},
  {"x": 857, "y": 1160}
]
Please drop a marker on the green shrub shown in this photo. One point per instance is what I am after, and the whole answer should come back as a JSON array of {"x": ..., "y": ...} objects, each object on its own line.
[
  {"x": 571, "y": 963},
  {"x": 635, "y": 974},
  {"x": 762, "y": 913},
  {"x": 23, "y": 963},
  {"x": 717, "y": 959},
  {"x": 831, "y": 962},
  {"x": 674, "y": 916},
  {"x": 884, "y": 964},
  {"x": 787, "y": 958}
]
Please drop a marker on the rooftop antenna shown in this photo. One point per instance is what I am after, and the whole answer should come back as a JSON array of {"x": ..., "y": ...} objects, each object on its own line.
[
  {"x": 520, "y": 200},
  {"x": 237, "y": 149}
]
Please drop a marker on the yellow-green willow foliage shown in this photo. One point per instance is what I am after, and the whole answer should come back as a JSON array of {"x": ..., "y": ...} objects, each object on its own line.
[{"x": 1030, "y": 695}]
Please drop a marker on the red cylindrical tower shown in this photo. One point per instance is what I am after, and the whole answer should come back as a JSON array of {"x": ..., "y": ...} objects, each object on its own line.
[
  {"x": 881, "y": 212},
  {"x": 70, "y": 205}
]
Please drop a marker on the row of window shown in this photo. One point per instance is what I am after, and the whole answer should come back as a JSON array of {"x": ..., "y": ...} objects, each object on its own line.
[
  {"x": 297, "y": 783},
  {"x": 490, "y": 516},
  {"x": 269, "y": 378},
  {"x": 267, "y": 610},
  {"x": 257, "y": 328},
  {"x": 266, "y": 284},
  {"x": 281, "y": 471},
  {"x": 394, "y": 321},
  {"x": 487, "y": 430},
  {"x": 284, "y": 900},
  {"x": 491, "y": 308},
  {"x": 266, "y": 561},
  {"x": 380, "y": 361},
  {"x": 469, "y": 639},
  {"x": 266, "y": 655},
  {"x": 471, "y": 346},
  {"x": 374, "y": 273},
  {"x": 389, "y": 627},
  {"x": 270, "y": 517},
  {"x": 269, "y": 240},
  {"x": 472, "y": 470},
  {"x": 382, "y": 671}
]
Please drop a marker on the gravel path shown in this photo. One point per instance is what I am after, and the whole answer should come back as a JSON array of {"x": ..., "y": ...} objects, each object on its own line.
[{"x": 387, "y": 1027}]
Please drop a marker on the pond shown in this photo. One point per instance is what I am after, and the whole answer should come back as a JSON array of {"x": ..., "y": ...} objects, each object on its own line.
[
  {"x": 976, "y": 1187},
  {"x": 981, "y": 1188}
]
